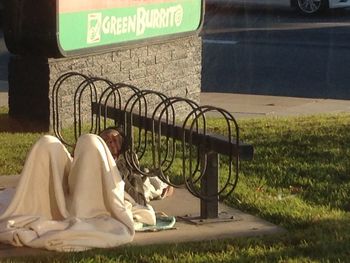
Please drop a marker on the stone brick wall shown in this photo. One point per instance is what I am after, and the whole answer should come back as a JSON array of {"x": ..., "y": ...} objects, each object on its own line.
[{"x": 172, "y": 67}]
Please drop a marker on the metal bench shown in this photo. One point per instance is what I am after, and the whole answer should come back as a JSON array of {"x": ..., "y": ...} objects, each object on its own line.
[{"x": 172, "y": 129}]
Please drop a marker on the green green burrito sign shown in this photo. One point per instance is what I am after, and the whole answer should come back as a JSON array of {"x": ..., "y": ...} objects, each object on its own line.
[{"x": 99, "y": 23}]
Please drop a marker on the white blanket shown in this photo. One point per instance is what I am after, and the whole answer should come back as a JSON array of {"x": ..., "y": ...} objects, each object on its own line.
[{"x": 70, "y": 204}]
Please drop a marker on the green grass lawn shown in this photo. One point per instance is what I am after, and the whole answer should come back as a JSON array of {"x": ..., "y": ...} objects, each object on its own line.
[{"x": 299, "y": 179}]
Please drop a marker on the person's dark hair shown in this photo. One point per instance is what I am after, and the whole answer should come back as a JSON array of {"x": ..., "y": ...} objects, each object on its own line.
[{"x": 120, "y": 130}]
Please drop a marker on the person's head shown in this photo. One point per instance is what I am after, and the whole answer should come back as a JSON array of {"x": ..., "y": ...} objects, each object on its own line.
[{"x": 115, "y": 140}]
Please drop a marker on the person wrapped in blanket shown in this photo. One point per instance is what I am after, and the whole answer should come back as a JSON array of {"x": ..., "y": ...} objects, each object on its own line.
[{"x": 74, "y": 202}]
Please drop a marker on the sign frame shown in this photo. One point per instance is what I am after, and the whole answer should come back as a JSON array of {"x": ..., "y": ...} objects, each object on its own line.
[{"x": 124, "y": 43}]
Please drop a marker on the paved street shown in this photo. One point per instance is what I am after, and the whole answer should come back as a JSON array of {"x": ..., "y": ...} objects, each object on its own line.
[{"x": 276, "y": 52}]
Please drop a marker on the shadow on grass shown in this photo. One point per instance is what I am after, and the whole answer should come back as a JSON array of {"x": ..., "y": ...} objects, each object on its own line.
[{"x": 16, "y": 125}]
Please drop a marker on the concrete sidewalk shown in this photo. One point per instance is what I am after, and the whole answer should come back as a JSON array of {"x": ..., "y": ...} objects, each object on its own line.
[
  {"x": 3, "y": 93},
  {"x": 183, "y": 205},
  {"x": 245, "y": 106}
]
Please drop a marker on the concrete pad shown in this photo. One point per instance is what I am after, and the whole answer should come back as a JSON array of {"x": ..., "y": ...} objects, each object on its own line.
[
  {"x": 10, "y": 251},
  {"x": 8, "y": 181},
  {"x": 182, "y": 205}
]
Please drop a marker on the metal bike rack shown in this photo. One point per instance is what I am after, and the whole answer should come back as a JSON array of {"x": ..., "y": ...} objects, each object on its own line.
[{"x": 151, "y": 123}]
